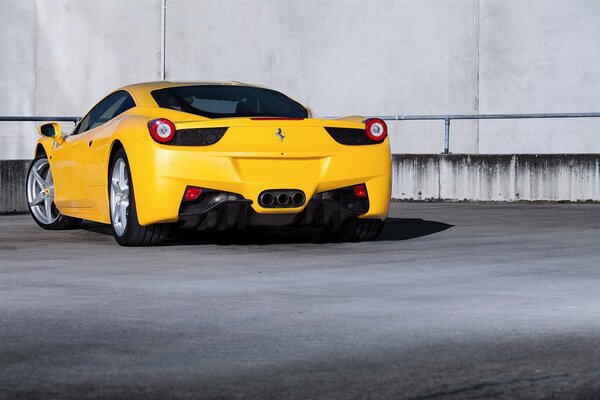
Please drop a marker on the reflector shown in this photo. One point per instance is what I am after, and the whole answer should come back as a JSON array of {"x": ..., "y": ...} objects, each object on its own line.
[
  {"x": 192, "y": 193},
  {"x": 360, "y": 191}
]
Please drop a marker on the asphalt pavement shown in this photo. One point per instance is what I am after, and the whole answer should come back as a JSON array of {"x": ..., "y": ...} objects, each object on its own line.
[{"x": 454, "y": 301}]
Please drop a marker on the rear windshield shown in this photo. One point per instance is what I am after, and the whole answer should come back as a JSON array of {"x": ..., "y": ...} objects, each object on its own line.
[{"x": 222, "y": 101}]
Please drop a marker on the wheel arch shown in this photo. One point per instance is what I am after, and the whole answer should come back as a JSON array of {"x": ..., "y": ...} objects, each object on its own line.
[
  {"x": 39, "y": 150},
  {"x": 115, "y": 146}
]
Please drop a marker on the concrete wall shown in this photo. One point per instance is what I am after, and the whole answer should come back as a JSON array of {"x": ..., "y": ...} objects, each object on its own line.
[
  {"x": 13, "y": 174},
  {"x": 17, "y": 77},
  {"x": 340, "y": 57},
  {"x": 518, "y": 177},
  {"x": 539, "y": 57}
]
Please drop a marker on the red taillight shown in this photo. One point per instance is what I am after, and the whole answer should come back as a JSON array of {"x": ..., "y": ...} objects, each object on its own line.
[
  {"x": 192, "y": 193},
  {"x": 360, "y": 191},
  {"x": 162, "y": 130},
  {"x": 376, "y": 129}
]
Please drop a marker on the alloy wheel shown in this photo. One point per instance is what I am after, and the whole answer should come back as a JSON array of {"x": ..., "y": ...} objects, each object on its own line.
[
  {"x": 119, "y": 196},
  {"x": 40, "y": 192}
]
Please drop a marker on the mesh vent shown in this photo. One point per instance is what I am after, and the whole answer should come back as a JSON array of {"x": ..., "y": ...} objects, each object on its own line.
[
  {"x": 197, "y": 136},
  {"x": 349, "y": 136}
]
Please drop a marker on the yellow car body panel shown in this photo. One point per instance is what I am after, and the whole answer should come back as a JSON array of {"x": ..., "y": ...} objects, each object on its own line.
[{"x": 248, "y": 159}]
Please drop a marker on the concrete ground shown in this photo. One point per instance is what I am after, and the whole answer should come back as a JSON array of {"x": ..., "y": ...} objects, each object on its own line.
[{"x": 454, "y": 301}]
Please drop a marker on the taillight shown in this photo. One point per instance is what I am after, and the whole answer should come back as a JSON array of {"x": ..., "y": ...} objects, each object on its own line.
[
  {"x": 375, "y": 129},
  {"x": 162, "y": 130},
  {"x": 192, "y": 193},
  {"x": 360, "y": 191}
]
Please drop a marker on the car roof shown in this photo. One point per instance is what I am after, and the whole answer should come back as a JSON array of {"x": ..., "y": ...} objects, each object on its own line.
[{"x": 141, "y": 91}]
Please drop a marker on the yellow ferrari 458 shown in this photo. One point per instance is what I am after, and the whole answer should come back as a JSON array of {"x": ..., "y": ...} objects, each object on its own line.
[{"x": 154, "y": 157}]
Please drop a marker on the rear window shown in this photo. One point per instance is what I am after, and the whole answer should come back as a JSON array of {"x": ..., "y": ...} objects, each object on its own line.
[{"x": 222, "y": 101}]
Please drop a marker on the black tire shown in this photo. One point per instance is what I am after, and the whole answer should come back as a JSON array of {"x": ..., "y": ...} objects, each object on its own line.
[
  {"x": 133, "y": 234},
  {"x": 56, "y": 220},
  {"x": 355, "y": 230}
]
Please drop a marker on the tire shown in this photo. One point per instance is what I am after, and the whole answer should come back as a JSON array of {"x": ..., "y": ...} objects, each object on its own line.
[
  {"x": 123, "y": 213},
  {"x": 40, "y": 197},
  {"x": 355, "y": 230}
]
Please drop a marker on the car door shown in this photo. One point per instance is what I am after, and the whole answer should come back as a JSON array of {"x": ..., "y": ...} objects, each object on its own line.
[
  {"x": 99, "y": 141},
  {"x": 73, "y": 158}
]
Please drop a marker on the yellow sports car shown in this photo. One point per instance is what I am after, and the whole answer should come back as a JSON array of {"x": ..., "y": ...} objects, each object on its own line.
[{"x": 153, "y": 157}]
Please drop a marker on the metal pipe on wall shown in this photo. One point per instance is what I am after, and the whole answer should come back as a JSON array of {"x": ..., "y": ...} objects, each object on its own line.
[
  {"x": 448, "y": 118},
  {"x": 397, "y": 117},
  {"x": 163, "y": 38}
]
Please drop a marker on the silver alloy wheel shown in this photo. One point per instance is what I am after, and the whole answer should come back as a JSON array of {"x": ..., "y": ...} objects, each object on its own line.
[
  {"x": 40, "y": 192},
  {"x": 119, "y": 196}
]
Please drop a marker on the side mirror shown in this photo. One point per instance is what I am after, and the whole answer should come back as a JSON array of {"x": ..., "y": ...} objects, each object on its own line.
[
  {"x": 309, "y": 112},
  {"x": 53, "y": 131}
]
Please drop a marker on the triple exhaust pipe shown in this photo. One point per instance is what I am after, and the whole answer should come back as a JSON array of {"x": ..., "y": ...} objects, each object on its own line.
[{"x": 281, "y": 198}]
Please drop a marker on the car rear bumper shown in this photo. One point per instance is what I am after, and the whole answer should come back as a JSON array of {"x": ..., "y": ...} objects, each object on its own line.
[{"x": 160, "y": 176}]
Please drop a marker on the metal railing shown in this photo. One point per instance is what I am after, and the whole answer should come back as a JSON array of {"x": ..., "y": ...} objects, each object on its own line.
[
  {"x": 37, "y": 118},
  {"x": 445, "y": 118},
  {"x": 448, "y": 118}
]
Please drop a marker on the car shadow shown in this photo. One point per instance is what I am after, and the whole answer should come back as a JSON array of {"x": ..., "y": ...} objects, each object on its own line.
[
  {"x": 394, "y": 229},
  {"x": 410, "y": 228},
  {"x": 96, "y": 227}
]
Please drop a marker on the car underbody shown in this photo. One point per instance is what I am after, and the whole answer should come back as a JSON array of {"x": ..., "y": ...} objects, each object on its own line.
[{"x": 223, "y": 210}]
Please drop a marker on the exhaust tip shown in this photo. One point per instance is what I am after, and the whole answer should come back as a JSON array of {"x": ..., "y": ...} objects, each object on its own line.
[
  {"x": 283, "y": 199},
  {"x": 266, "y": 199},
  {"x": 298, "y": 199}
]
